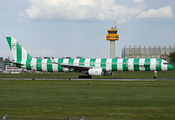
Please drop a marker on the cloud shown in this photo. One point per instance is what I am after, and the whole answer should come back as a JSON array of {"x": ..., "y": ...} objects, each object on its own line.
[
  {"x": 100, "y": 10},
  {"x": 44, "y": 52},
  {"x": 139, "y": 1},
  {"x": 164, "y": 12}
]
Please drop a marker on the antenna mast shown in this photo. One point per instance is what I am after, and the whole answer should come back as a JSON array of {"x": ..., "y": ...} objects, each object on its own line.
[{"x": 115, "y": 25}]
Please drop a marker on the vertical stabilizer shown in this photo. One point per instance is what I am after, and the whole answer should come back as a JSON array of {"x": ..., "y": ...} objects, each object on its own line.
[{"x": 18, "y": 52}]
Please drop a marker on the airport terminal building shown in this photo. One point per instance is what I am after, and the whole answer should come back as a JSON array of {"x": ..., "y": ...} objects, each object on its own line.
[
  {"x": 2, "y": 66},
  {"x": 138, "y": 51}
]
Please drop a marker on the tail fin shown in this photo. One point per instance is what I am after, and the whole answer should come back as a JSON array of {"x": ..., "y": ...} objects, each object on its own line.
[{"x": 18, "y": 52}]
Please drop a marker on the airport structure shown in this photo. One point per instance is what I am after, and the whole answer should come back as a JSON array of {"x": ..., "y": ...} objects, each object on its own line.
[
  {"x": 112, "y": 36},
  {"x": 2, "y": 66},
  {"x": 12, "y": 68},
  {"x": 147, "y": 52}
]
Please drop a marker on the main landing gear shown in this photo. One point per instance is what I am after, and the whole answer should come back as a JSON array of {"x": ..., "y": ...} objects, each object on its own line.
[
  {"x": 155, "y": 74},
  {"x": 83, "y": 76}
]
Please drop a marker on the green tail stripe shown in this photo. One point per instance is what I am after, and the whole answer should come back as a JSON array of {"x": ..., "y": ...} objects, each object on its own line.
[
  {"x": 60, "y": 69},
  {"x": 18, "y": 65},
  {"x": 29, "y": 57},
  {"x": 81, "y": 62},
  {"x": 136, "y": 64},
  {"x": 158, "y": 65},
  {"x": 39, "y": 64},
  {"x": 9, "y": 42},
  {"x": 49, "y": 65},
  {"x": 28, "y": 65},
  {"x": 114, "y": 64},
  {"x": 103, "y": 63},
  {"x": 18, "y": 52},
  {"x": 125, "y": 64},
  {"x": 147, "y": 64}
]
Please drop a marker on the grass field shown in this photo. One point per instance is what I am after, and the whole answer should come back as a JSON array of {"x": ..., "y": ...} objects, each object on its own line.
[{"x": 95, "y": 100}]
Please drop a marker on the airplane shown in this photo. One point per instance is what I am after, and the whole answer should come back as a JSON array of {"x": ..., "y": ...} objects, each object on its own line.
[{"x": 88, "y": 67}]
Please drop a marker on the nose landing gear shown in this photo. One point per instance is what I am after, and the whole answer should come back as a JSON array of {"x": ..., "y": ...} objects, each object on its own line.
[{"x": 155, "y": 74}]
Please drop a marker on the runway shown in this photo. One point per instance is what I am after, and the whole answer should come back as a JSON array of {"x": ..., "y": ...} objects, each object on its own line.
[{"x": 159, "y": 79}]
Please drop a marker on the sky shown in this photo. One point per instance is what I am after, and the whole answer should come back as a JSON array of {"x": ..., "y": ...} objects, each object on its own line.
[{"x": 71, "y": 28}]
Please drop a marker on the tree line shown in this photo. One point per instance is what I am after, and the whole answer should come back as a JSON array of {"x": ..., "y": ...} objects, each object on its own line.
[{"x": 4, "y": 60}]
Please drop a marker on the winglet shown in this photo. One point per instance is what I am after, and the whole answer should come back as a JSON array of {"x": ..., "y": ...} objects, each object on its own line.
[{"x": 53, "y": 61}]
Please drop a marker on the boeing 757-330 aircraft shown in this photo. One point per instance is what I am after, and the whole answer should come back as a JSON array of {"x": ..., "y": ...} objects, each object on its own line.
[{"x": 88, "y": 67}]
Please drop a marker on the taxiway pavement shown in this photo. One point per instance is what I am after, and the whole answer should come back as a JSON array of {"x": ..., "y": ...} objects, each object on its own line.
[{"x": 158, "y": 79}]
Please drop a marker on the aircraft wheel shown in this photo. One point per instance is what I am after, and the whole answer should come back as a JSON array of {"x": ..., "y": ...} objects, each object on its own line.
[
  {"x": 89, "y": 76},
  {"x": 85, "y": 77},
  {"x": 154, "y": 77},
  {"x": 80, "y": 76}
]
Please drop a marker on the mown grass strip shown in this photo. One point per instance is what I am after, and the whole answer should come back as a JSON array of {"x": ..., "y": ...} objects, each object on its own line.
[{"x": 92, "y": 99}]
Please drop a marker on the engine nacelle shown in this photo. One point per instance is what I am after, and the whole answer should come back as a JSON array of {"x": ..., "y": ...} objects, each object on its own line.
[
  {"x": 108, "y": 73},
  {"x": 96, "y": 71},
  {"x": 65, "y": 69}
]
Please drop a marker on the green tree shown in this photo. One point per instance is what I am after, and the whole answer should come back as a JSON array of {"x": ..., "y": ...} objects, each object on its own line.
[
  {"x": 6, "y": 60},
  {"x": 1, "y": 59},
  {"x": 172, "y": 57}
]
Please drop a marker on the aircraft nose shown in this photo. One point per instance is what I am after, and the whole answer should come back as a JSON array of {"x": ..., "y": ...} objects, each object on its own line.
[{"x": 170, "y": 67}]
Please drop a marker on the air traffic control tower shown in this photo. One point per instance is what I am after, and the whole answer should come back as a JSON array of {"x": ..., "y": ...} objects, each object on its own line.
[{"x": 112, "y": 36}]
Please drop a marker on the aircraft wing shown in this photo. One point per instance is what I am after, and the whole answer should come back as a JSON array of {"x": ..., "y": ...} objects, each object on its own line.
[{"x": 74, "y": 67}]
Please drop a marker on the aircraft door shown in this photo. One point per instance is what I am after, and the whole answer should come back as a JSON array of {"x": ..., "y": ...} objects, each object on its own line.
[
  {"x": 130, "y": 64},
  {"x": 33, "y": 64}
]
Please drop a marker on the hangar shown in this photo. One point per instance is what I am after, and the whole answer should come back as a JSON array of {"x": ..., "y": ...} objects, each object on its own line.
[{"x": 138, "y": 51}]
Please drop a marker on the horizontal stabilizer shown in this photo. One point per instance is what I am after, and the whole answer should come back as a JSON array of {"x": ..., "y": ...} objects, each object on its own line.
[{"x": 15, "y": 63}]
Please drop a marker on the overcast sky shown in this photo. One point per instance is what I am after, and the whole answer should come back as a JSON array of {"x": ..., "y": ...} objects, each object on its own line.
[{"x": 79, "y": 27}]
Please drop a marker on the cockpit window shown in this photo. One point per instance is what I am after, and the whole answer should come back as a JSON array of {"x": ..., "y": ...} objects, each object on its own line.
[{"x": 165, "y": 63}]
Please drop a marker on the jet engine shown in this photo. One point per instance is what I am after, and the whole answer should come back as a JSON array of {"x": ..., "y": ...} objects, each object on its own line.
[
  {"x": 96, "y": 71},
  {"x": 65, "y": 69},
  {"x": 108, "y": 73}
]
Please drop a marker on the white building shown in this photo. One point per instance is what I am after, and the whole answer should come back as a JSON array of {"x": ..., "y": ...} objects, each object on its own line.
[{"x": 12, "y": 68}]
